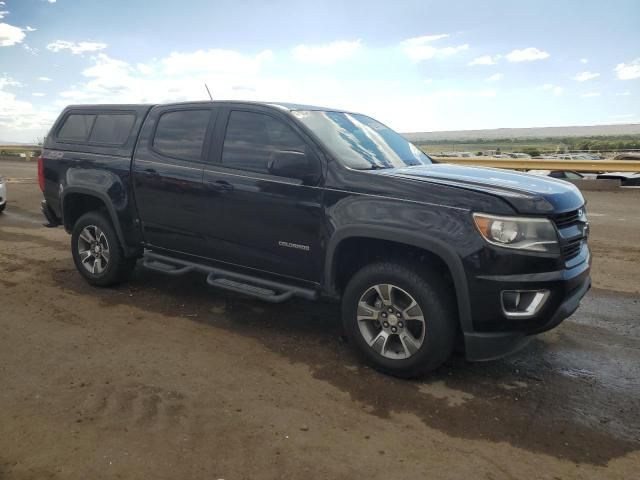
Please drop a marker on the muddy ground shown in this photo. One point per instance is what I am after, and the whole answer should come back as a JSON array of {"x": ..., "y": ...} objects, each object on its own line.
[{"x": 166, "y": 378}]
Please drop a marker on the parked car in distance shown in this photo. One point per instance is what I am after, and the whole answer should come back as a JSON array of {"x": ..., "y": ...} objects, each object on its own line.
[
  {"x": 563, "y": 174},
  {"x": 628, "y": 156},
  {"x": 627, "y": 179},
  {"x": 276, "y": 201},
  {"x": 3, "y": 194}
]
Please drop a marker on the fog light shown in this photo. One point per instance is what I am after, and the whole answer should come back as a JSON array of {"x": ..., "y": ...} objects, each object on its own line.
[{"x": 523, "y": 303}]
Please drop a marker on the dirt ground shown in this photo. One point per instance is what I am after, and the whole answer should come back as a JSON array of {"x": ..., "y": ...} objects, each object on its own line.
[{"x": 166, "y": 378}]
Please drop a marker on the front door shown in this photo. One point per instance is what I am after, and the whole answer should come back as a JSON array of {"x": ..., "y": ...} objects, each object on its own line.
[{"x": 255, "y": 218}]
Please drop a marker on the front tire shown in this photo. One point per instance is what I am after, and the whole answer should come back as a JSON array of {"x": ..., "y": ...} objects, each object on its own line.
[
  {"x": 401, "y": 319},
  {"x": 2, "y": 207},
  {"x": 97, "y": 252}
]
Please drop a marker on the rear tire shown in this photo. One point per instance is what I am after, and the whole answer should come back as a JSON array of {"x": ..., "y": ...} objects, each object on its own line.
[
  {"x": 416, "y": 334},
  {"x": 97, "y": 252},
  {"x": 2, "y": 207}
]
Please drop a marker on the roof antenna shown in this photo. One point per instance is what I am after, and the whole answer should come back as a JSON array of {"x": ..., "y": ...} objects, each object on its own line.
[{"x": 205, "y": 86}]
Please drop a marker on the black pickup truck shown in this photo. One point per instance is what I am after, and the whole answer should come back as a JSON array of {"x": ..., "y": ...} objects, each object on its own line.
[{"x": 276, "y": 200}]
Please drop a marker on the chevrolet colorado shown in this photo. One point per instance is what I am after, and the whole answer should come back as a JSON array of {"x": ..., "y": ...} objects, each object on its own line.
[{"x": 277, "y": 200}]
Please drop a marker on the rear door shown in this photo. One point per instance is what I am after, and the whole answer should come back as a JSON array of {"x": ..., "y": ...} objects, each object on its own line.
[
  {"x": 254, "y": 218},
  {"x": 167, "y": 172}
]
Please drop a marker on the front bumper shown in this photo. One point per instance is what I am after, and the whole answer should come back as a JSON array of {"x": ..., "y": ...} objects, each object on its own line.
[{"x": 495, "y": 336}]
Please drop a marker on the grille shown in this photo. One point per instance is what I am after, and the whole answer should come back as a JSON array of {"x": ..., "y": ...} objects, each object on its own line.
[
  {"x": 565, "y": 219},
  {"x": 571, "y": 249}
]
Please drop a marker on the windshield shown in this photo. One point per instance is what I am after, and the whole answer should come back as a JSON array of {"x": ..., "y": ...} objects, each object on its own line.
[{"x": 360, "y": 142}]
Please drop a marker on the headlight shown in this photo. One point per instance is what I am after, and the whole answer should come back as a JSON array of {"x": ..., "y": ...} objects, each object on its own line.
[{"x": 533, "y": 234}]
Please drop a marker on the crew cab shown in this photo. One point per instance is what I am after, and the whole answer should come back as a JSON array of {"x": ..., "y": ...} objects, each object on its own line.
[{"x": 276, "y": 200}]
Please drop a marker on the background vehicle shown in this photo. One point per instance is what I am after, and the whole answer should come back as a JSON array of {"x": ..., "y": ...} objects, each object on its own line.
[
  {"x": 3, "y": 194},
  {"x": 564, "y": 174},
  {"x": 627, "y": 179},
  {"x": 280, "y": 200},
  {"x": 627, "y": 156}
]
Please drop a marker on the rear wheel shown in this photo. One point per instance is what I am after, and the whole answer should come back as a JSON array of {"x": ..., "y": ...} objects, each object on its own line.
[
  {"x": 97, "y": 252},
  {"x": 401, "y": 319}
]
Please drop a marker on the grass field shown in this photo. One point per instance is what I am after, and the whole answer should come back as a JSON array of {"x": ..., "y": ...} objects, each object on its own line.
[
  {"x": 15, "y": 152},
  {"x": 601, "y": 143},
  {"x": 503, "y": 145}
]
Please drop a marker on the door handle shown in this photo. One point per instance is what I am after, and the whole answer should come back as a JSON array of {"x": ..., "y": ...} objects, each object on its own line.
[
  {"x": 151, "y": 171},
  {"x": 220, "y": 186}
]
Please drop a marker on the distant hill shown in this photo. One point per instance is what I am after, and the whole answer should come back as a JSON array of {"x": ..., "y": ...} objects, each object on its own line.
[
  {"x": 17, "y": 144},
  {"x": 543, "y": 132}
]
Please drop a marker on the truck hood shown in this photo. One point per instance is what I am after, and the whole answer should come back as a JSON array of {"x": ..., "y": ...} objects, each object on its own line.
[{"x": 528, "y": 194}]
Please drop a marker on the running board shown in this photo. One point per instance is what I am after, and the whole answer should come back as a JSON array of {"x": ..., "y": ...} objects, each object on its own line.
[{"x": 267, "y": 290}]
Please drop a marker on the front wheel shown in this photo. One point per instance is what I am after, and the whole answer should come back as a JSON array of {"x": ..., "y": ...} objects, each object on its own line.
[
  {"x": 97, "y": 252},
  {"x": 401, "y": 319}
]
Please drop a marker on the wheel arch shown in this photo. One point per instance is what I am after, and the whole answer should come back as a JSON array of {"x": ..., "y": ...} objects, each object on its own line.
[
  {"x": 76, "y": 201},
  {"x": 429, "y": 245}
]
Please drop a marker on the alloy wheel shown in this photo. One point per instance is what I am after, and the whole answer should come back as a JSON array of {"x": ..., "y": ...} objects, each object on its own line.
[
  {"x": 391, "y": 321},
  {"x": 93, "y": 249}
]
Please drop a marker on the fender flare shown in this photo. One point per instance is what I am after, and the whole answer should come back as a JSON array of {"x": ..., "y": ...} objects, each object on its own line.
[
  {"x": 104, "y": 198},
  {"x": 424, "y": 242}
]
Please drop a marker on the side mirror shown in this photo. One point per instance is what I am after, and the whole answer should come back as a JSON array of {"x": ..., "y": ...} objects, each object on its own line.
[{"x": 291, "y": 164}]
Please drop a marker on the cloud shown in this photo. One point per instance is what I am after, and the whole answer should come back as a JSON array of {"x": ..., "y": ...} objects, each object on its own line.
[
  {"x": 624, "y": 115},
  {"x": 460, "y": 93},
  {"x": 30, "y": 49},
  {"x": 420, "y": 48},
  {"x": 6, "y": 81},
  {"x": 19, "y": 115},
  {"x": 526, "y": 55},
  {"x": 51, "y": 1},
  {"x": 3, "y": 13},
  {"x": 177, "y": 77},
  {"x": 76, "y": 48},
  {"x": 628, "y": 71},
  {"x": 44, "y": 79},
  {"x": 590, "y": 94},
  {"x": 484, "y": 60},
  {"x": 38, "y": 94},
  {"x": 623, "y": 94},
  {"x": 428, "y": 38},
  {"x": 30, "y": 29},
  {"x": 10, "y": 35},
  {"x": 210, "y": 61},
  {"x": 584, "y": 76},
  {"x": 549, "y": 87},
  {"x": 327, "y": 54},
  {"x": 495, "y": 77},
  {"x": 584, "y": 60}
]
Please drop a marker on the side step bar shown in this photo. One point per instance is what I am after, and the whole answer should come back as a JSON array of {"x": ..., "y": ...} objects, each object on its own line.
[{"x": 267, "y": 290}]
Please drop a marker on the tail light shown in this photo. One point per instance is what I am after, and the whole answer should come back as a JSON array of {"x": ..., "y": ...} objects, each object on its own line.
[{"x": 41, "y": 173}]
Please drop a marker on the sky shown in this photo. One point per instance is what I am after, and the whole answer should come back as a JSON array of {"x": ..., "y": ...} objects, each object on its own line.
[{"x": 416, "y": 65}]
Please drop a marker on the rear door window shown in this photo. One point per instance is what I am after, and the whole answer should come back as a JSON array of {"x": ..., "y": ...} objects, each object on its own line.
[
  {"x": 76, "y": 127},
  {"x": 252, "y": 138},
  {"x": 113, "y": 128},
  {"x": 180, "y": 134}
]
